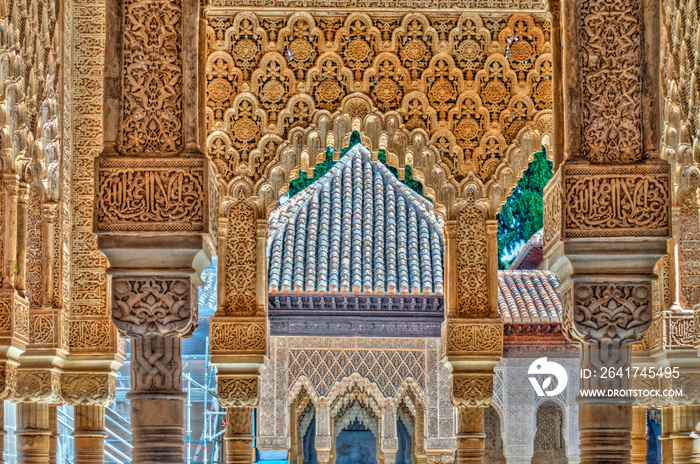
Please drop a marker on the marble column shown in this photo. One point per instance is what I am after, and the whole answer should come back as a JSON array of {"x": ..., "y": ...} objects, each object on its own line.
[
  {"x": 3, "y": 432},
  {"x": 156, "y": 396},
  {"x": 471, "y": 439},
  {"x": 238, "y": 440},
  {"x": 33, "y": 433},
  {"x": 686, "y": 428},
  {"x": 89, "y": 433},
  {"x": 239, "y": 395},
  {"x": 473, "y": 331},
  {"x": 639, "y": 435},
  {"x": 389, "y": 442},
  {"x": 53, "y": 438},
  {"x": 603, "y": 255},
  {"x": 665, "y": 437},
  {"x": 324, "y": 433},
  {"x": 157, "y": 407}
]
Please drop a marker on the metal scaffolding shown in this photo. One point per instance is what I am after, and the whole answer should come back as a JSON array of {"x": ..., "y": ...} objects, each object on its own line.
[{"x": 204, "y": 418}]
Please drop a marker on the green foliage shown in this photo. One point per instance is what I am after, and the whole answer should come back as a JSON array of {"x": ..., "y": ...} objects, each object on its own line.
[
  {"x": 521, "y": 216},
  {"x": 301, "y": 182}
]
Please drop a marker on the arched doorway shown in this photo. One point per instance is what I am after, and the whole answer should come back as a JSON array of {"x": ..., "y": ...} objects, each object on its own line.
[{"x": 356, "y": 444}]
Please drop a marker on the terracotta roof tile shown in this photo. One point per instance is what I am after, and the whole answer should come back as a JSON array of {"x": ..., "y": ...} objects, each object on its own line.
[{"x": 528, "y": 296}]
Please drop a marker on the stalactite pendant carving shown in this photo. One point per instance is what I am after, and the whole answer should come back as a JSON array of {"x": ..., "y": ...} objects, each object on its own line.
[
  {"x": 466, "y": 88},
  {"x": 472, "y": 278},
  {"x": 151, "y": 116}
]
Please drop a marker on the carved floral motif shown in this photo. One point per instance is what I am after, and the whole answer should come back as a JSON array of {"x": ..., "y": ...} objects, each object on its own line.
[
  {"x": 472, "y": 390},
  {"x": 237, "y": 391},
  {"x": 88, "y": 388},
  {"x": 472, "y": 273},
  {"x": 156, "y": 305},
  {"x": 611, "y": 77},
  {"x": 613, "y": 311},
  {"x": 151, "y": 113},
  {"x": 241, "y": 257}
]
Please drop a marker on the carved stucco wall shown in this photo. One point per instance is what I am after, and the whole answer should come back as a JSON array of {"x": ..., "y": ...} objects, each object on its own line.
[
  {"x": 324, "y": 367},
  {"x": 517, "y": 403}
]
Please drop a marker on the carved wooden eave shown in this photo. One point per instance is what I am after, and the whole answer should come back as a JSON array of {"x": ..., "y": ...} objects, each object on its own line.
[
  {"x": 534, "y": 340},
  {"x": 356, "y": 315}
]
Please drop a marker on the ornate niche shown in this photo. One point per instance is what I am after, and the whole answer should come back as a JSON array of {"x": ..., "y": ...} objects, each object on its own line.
[{"x": 468, "y": 96}]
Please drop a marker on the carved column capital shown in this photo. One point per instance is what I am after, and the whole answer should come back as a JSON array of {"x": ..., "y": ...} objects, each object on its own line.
[
  {"x": 88, "y": 388},
  {"x": 615, "y": 311},
  {"x": 238, "y": 391},
  {"x": 472, "y": 390},
  {"x": 37, "y": 386},
  {"x": 162, "y": 305}
]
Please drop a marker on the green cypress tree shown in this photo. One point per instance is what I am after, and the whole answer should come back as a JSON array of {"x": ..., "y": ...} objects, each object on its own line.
[{"x": 521, "y": 216}]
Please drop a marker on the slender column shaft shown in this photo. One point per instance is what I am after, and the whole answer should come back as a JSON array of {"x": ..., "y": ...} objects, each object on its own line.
[
  {"x": 33, "y": 433},
  {"x": 20, "y": 275},
  {"x": 89, "y": 434},
  {"x": 665, "y": 437},
  {"x": 686, "y": 426},
  {"x": 53, "y": 438},
  {"x": 3, "y": 432},
  {"x": 239, "y": 436},
  {"x": 157, "y": 400},
  {"x": 11, "y": 227},
  {"x": 605, "y": 433},
  {"x": 639, "y": 435},
  {"x": 470, "y": 435}
]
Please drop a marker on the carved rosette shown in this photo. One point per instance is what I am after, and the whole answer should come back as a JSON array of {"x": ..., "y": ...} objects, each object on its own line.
[
  {"x": 88, "y": 388},
  {"x": 472, "y": 390},
  {"x": 238, "y": 391}
]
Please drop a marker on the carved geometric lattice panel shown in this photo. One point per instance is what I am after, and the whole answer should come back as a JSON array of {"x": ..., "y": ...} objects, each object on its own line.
[{"x": 387, "y": 368}]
